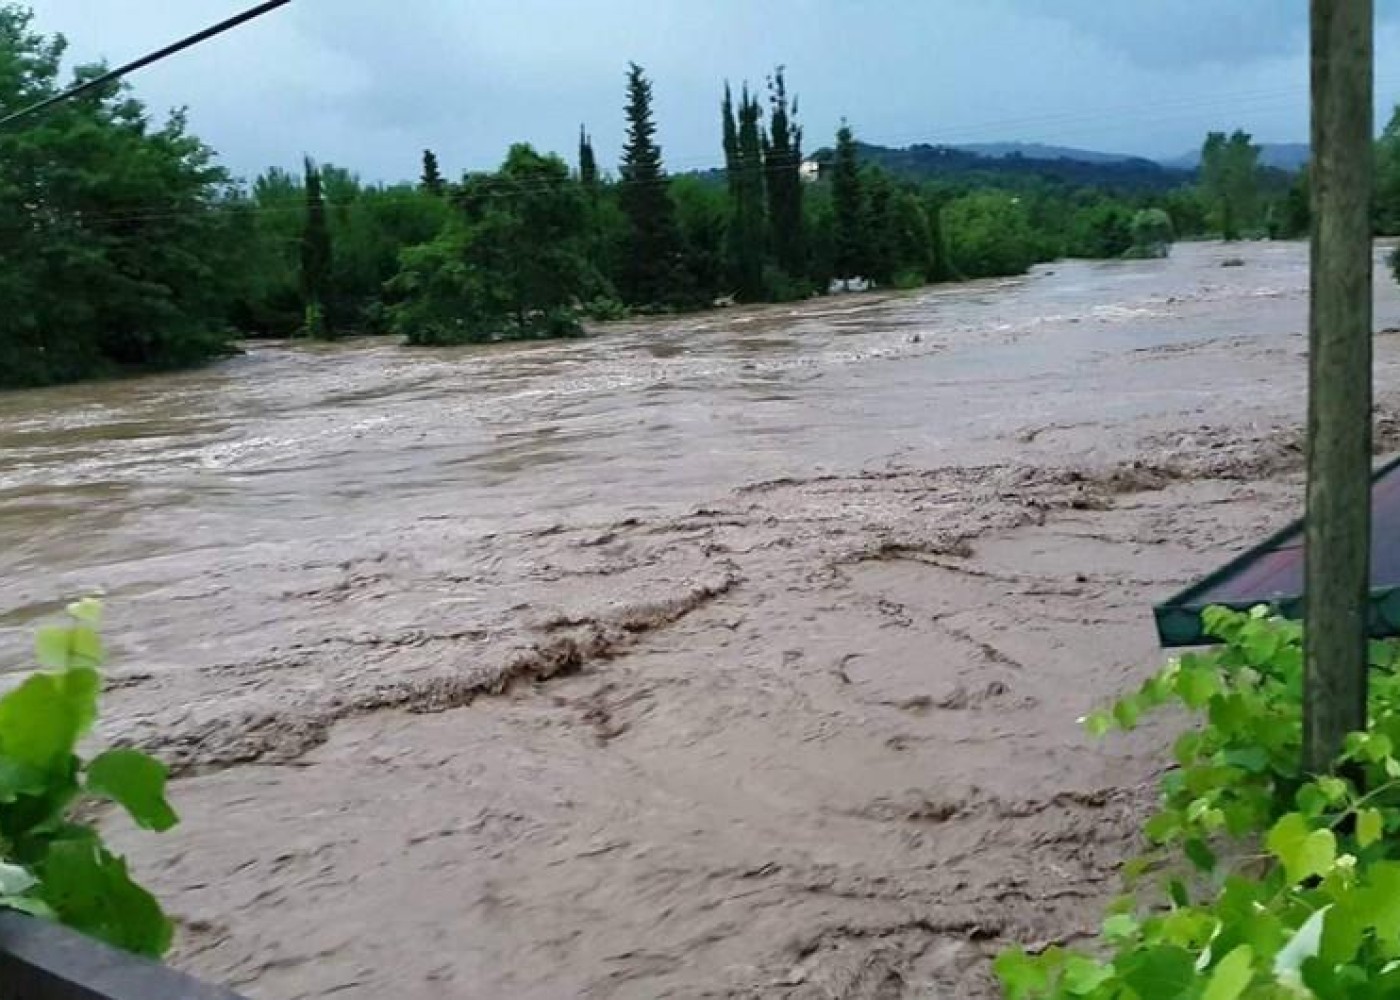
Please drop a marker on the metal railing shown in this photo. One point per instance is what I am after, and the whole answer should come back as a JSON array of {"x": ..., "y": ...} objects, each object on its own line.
[{"x": 43, "y": 961}]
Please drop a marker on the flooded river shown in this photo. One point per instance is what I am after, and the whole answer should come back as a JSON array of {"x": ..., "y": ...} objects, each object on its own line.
[{"x": 731, "y": 655}]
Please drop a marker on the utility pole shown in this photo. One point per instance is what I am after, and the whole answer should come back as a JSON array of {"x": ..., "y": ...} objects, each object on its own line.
[{"x": 1338, "y": 540}]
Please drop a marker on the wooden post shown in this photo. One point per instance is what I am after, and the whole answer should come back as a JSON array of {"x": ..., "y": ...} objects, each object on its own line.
[{"x": 1339, "y": 380}]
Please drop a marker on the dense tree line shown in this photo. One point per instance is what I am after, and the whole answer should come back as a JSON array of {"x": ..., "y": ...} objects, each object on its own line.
[
  {"x": 125, "y": 245},
  {"x": 113, "y": 252}
]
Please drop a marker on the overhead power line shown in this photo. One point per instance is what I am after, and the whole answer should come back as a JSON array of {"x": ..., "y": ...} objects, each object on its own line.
[{"x": 144, "y": 61}]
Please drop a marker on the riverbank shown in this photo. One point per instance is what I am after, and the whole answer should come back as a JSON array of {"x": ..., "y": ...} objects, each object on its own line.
[{"x": 735, "y": 655}]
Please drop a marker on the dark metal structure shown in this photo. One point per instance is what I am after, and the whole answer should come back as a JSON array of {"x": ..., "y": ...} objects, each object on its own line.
[
  {"x": 1271, "y": 573},
  {"x": 43, "y": 961}
]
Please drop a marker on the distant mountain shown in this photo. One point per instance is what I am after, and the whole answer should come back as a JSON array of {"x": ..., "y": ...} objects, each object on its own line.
[
  {"x": 1289, "y": 156},
  {"x": 1040, "y": 151},
  {"x": 1011, "y": 162}
]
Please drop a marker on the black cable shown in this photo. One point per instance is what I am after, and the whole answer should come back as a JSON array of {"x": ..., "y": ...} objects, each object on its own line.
[{"x": 121, "y": 71}]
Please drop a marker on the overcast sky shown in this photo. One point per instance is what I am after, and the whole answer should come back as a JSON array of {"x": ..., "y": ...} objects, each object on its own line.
[{"x": 369, "y": 83}]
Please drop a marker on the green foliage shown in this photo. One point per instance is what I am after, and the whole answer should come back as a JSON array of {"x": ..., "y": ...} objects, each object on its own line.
[
  {"x": 51, "y": 864},
  {"x": 368, "y": 225},
  {"x": 587, "y": 161},
  {"x": 748, "y": 225},
  {"x": 1261, "y": 882},
  {"x": 1387, "y": 196},
  {"x": 432, "y": 181},
  {"x": 1230, "y": 181},
  {"x": 114, "y": 253},
  {"x": 315, "y": 256},
  {"x": 1188, "y": 211},
  {"x": 848, "y": 203},
  {"x": 703, "y": 215},
  {"x": 604, "y": 310},
  {"x": 1151, "y": 234},
  {"x": 989, "y": 235},
  {"x": 1101, "y": 230},
  {"x": 782, "y": 165},
  {"x": 1291, "y": 219},
  {"x": 511, "y": 267},
  {"x": 123, "y": 245},
  {"x": 652, "y": 273}
]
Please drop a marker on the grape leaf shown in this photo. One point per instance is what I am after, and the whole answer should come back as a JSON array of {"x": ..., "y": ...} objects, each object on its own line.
[
  {"x": 1165, "y": 972},
  {"x": 42, "y": 719},
  {"x": 1231, "y": 977},
  {"x": 1303, "y": 851},
  {"x": 1369, "y": 827},
  {"x": 1083, "y": 976},
  {"x": 1020, "y": 974},
  {"x": 90, "y": 890},
  {"x": 137, "y": 782}
]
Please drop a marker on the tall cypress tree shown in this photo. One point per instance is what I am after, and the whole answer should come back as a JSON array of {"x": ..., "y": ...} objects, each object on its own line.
[
  {"x": 748, "y": 226},
  {"x": 587, "y": 162},
  {"x": 432, "y": 181},
  {"x": 731, "y": 140},
  {"x": 848, "y": 200},
  {"x": 782, "y": 161},
  {"x": 315, "y": 255},
  {"x": 651, "y": 274}
]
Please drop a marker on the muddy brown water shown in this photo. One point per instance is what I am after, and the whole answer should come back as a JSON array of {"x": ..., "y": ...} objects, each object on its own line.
[{"x": 727, "y": 656}]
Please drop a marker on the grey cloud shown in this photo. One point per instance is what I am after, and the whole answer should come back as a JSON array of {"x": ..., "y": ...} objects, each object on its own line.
[{"x": 369, "y": 84}]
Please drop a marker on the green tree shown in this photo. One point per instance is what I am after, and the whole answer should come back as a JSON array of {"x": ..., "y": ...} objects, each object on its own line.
[
  {"x": 1190, "y": 216},
  {"x": 1230, "y": 181},
  {"x": 268, "y": 302},
  {"x": 940, "y": 267},
  {"x": 702, "y": 212},
  {"x": 819, "y": 223},
  {"x": 748, "y": 227},
  {"x": 1294, "y": 212},
  {"x": 511, "y": 265},
  {"x": 1152, "y": 233},
  {"x": 587, "y": 161},
  {"x": 369, "y": 225},
  {"x": 782, "y": 169},
  {"x": 652, "y": 274},
  {"x": 989, "y": 235},
  {"x": 848, "y": 203},
  {"x": 115, "y": 249},
  {"x": 880, "y": 226},
  {"x": 432, "y": 181},
  {"x": 1388, "y": 178},
  {"x": 1101, "y": 230},
  {"x": 915, "y": 250},
  {"x": 315, "y": 254}
]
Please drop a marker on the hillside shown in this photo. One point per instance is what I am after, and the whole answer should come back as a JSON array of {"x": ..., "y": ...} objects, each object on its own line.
[
  {"x": 1041, "y": 151},
  {"x": 1003, "y": 162},
  {"x": 1289, "y": 156}
]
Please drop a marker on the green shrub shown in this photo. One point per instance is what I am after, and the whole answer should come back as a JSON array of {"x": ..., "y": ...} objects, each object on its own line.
[
  {"x": 908, "y": 279},
  {"x": 605, "y": 309},
  {"x": 1152, "y": 234},
  {"x": 1261, "y": 882},
  {"x": 1101, "y": 231},
  {"x": 779, "y": 286},
  {"x": 52, "y": 864},
  {"x": 989, "y": 235}
]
